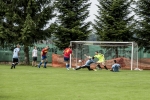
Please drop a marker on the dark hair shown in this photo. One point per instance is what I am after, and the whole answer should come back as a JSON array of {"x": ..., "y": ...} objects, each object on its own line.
[
  {"x": 47, "y": 46},
  {"x": 92, "y": 57},
  {"x": 70, "y": 46},
  {"x": 115, "y": 61}
]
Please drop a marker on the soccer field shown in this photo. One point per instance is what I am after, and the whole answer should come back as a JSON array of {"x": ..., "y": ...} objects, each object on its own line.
[{"x": 32, "y": 83}]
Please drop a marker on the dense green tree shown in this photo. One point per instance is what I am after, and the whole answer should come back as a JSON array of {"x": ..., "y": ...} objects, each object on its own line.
[
  {"x": 24, "y": 21},
  {"x": 6, "y": 25},
  {"x": 114, "y": 21},
  {"x": 143, "y": 24},
  {"x": 70, "y": 24}
]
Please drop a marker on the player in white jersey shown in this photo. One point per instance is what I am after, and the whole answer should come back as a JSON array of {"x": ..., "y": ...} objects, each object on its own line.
[
  {"x": 34, "y": 56},
  {"x": 15, "y": 56}
]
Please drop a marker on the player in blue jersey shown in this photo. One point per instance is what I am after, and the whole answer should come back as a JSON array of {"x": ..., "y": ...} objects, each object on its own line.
[
  {"x": 87, "y": 63},
  {"x": 115, "y": 67}
]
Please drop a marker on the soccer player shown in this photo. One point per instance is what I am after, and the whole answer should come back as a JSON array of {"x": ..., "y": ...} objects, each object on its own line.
[
  {"x": 15, "y": 56},
  {"x": 34, "y": 56},
  {"x": 44, "y": 57},
  {"x": 66, "y": 54},
  {"x": 87, "y": 64},
  {"x": 115, "y": 67},
  {"x": 101, "y": 60}
]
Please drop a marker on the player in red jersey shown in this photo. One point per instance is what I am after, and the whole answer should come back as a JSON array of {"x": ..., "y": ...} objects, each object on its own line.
[
  {"x": 67, "y": 53},
  {"x": 43, "y": 56}
]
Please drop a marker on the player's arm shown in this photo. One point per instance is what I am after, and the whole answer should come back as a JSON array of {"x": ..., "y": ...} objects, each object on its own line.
[
  {"x": 72, "y": 54},
  {"x": 18, "y": 52},
  {"x": 41, "y": 53},
  {"x": 64, "y": 51},
  {"x": 87, "y": 56},
  {"x": 32, "y": 53},
  {"x": 47, "y": 54}
]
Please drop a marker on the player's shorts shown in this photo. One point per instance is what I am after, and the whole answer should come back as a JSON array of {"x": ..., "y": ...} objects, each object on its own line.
[
  {"x": 15, "y": 60},
  {"x": 34, "y": 59},
  {"x": 100, "y": 61},
  {"x": 66, "y": 59},
  {"x": 44, "y": 57}
]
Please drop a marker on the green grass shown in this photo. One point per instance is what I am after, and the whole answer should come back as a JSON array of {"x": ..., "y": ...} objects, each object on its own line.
[{"x": 31, "y": 83}]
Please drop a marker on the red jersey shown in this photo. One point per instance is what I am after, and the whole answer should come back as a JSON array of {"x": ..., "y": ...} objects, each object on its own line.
[
  {"x": 44, "y": 51},
  {"x": 67, "y": 52}
]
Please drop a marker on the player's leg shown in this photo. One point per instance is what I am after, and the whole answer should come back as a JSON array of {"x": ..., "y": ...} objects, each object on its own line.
[
  {"x": 103, "y": 63},
  {"x": 42, "y": 60},
  {"x": 89, "y": 68},
  {"x": 45, "y": 63},
  {"x": 98, "y": 65},
  {"x": 35, "y": 62},
  {"x": 78, "y": 68},
  {"x": 84, "y": 66},
  {"x": 13, "y": 63},
  {"x": 67, "y": 62},
  {"x": 32, "y": 61}
]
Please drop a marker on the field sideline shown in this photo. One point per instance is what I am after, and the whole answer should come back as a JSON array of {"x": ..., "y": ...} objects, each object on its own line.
[{"x": 31, "y": 83}]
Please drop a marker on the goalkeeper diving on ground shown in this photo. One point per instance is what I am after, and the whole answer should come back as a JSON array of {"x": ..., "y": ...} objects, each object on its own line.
[{"x": 101, "y": 60}]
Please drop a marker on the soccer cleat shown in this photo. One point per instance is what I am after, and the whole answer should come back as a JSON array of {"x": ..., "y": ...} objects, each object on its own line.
[
  {"x": 94, "y": 69},
  {"x": 73, "y": 68},
  {"x": 106, "y": 68},
  {"x": 67, "y": 68}
]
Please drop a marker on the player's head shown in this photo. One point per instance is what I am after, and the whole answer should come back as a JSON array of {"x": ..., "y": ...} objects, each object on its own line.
[
  {"x": 69, "y": 46},
  {"x": 115, "y": 61},
  {"x": 47, "y": 47},
  {"x": 18, "y": 46},
  {"x": 92, "y": 57},
  {"x": 96, "y": 52},
  {"x": 89, "y": 57},
  {"x": 35, "y": 47}
]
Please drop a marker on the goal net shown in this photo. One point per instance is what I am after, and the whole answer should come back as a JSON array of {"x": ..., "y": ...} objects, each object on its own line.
[{"x": 126, "y": 53}]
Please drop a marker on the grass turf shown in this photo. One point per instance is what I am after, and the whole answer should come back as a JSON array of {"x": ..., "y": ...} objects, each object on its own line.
[{"x": 31, "y": 83}]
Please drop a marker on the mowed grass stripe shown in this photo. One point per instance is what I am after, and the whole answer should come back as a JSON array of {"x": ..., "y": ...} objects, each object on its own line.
[{"x": 31, "y": 83}]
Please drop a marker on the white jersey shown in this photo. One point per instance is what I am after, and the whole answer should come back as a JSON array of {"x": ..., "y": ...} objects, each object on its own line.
[
  {"x": 34, "y": 53},
  {"x": 16, "y": 52}
]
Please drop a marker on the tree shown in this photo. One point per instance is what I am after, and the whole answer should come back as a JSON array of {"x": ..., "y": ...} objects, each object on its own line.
[
  {"x": 143, "y": 24},
  {"x": 114, "y": 22},
  {"x": 26, "y": 20},
  {"x": 6, "y": 24},
  {"x": 71, "y": 25}
]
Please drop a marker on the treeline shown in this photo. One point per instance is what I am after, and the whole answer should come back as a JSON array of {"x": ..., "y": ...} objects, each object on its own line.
[{"x": 26, "y": 22}]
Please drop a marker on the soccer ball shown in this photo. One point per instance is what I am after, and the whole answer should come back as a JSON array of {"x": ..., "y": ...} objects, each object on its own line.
[{"x": 80, "y": 61}]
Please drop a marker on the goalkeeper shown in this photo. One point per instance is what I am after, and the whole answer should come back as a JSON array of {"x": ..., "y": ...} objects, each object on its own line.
[{"x": 101, "y": 60}]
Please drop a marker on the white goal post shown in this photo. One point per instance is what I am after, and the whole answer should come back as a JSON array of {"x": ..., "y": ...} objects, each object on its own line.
[{"x": 125, "y": 52}]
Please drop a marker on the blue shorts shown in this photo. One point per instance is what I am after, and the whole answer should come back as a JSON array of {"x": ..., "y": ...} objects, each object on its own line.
[
  {"x": 44, "y": 57},
  {"x": 66, "y": 59}
]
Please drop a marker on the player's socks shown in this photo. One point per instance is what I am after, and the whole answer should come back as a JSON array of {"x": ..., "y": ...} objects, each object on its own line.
[
  {"x": 40, "y": 64},
  {"x": 99, "y": 67},
  {"x": 67, "y": 66},
  {"x": 106, "y": 67},
  {"x": 12, "y": 66},
  {"x": 78, "y": 68},
  {"x": 15, "y": 65},
  {"x": 45, "y": 64}
]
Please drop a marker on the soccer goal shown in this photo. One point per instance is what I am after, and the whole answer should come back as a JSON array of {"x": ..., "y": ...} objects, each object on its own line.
[{"x": 126, "y": 53}]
